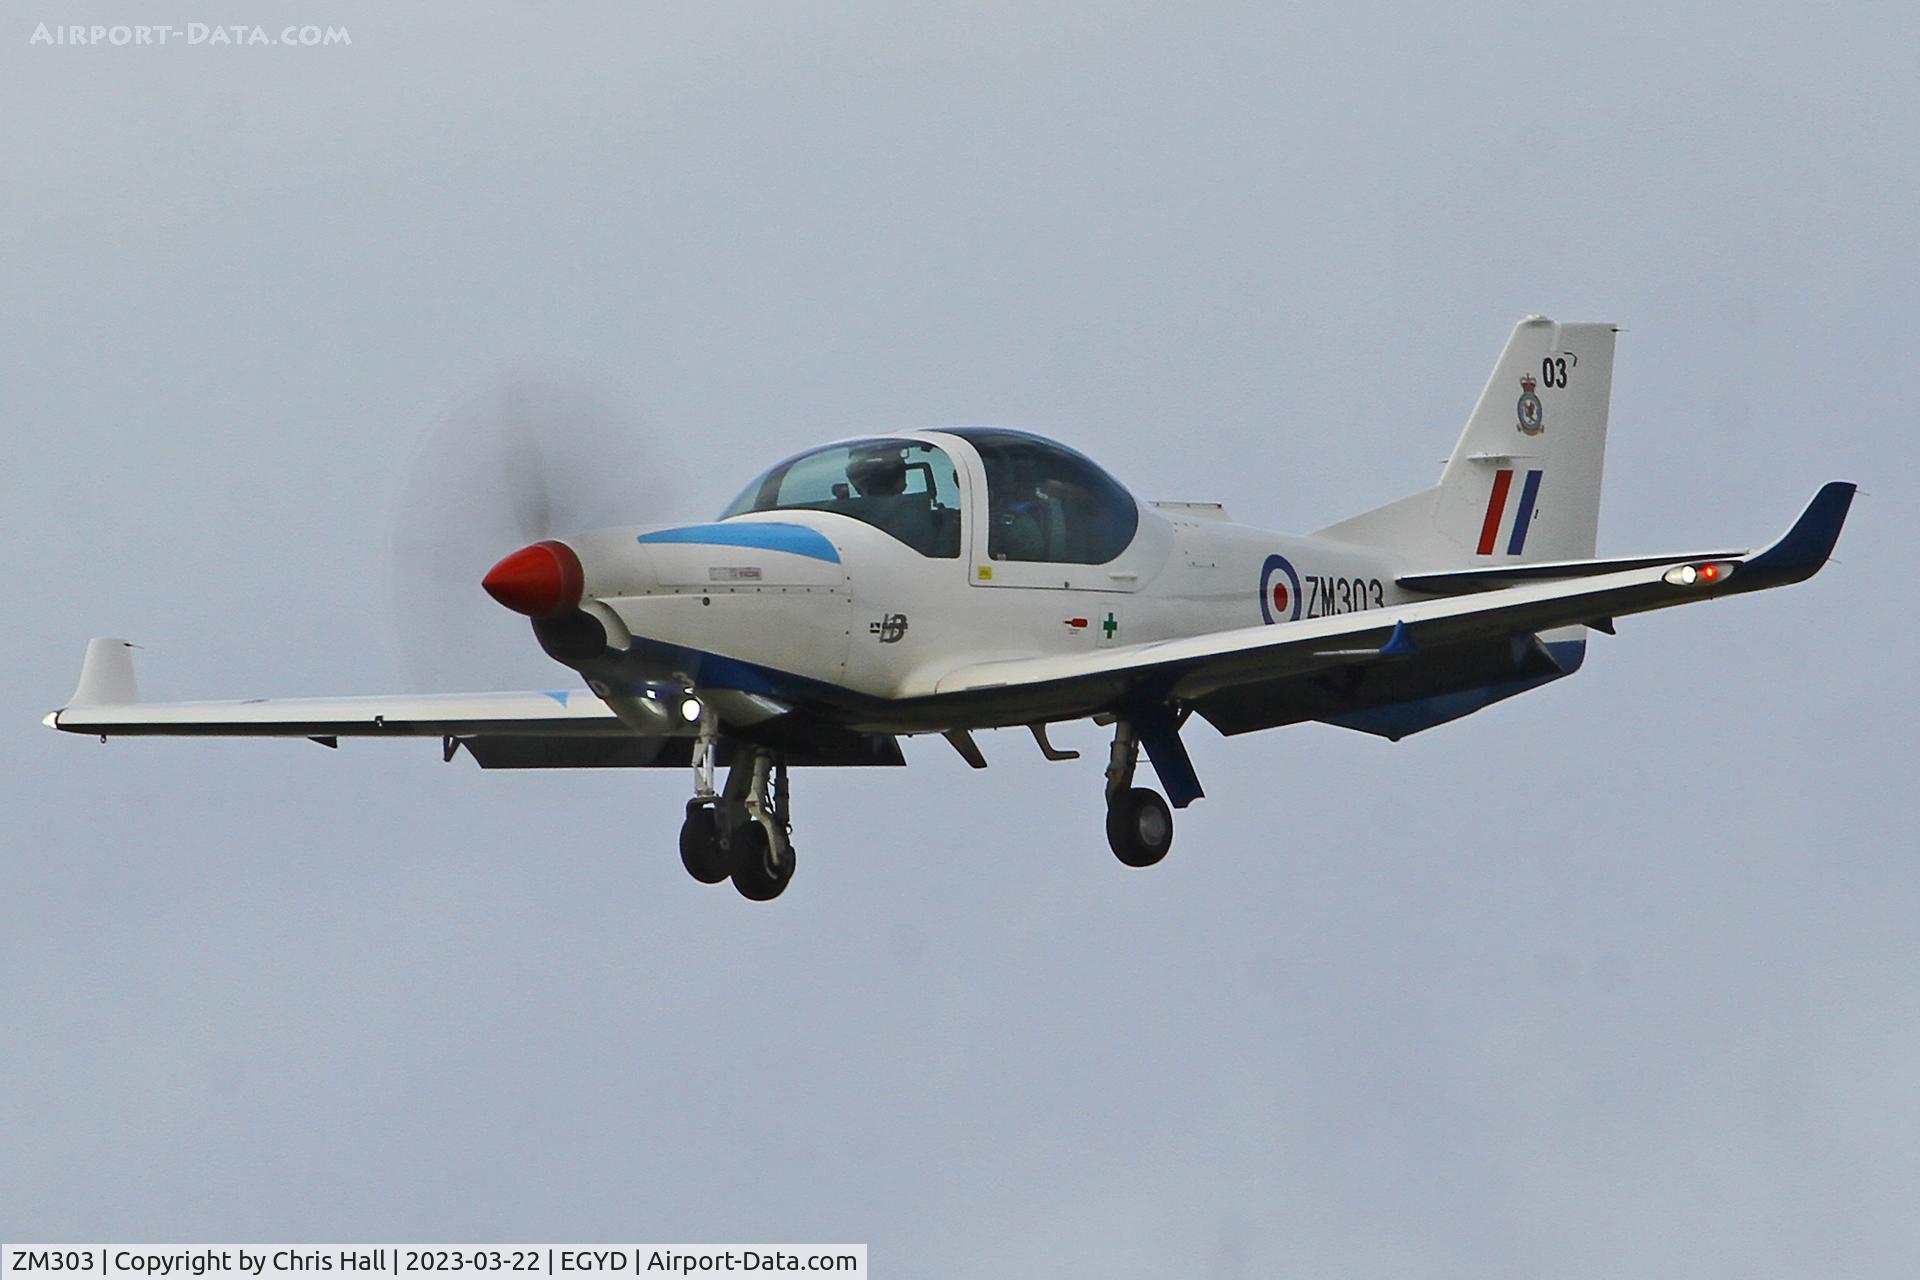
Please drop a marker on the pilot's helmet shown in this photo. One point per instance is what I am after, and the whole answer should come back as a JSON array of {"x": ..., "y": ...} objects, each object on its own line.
[{"x": 878, "y": 472}]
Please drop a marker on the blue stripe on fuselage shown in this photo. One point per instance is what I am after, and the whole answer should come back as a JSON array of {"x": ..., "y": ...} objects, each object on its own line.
[{"x": 794, "y": 539}]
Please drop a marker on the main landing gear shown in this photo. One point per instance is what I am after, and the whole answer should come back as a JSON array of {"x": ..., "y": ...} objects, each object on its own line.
[
  {"x": 1139, "y": 823},
  {"x": 741, "y": 833}
]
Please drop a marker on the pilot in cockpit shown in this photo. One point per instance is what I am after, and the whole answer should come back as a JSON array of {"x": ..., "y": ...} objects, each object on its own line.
[{"x": 878, "y": 473}]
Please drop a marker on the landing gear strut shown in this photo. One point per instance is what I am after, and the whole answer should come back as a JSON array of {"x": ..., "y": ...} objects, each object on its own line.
[
  {"x": 1139, "y": 823},
  {"x": 741, "y": 833},
  {"x": 703, "y": 836},
  {"x": 762, "y": 852}
]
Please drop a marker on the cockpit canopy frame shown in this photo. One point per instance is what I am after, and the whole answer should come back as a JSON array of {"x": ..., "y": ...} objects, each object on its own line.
[
  {"x": 908, "y": 489},
  {"x": 1043, "y": 503}
]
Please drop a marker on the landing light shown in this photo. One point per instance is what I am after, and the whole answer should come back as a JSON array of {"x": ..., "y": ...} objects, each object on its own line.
[
  {"x": 1688, "y": 575},
  {"x": 690, "y": 710}
]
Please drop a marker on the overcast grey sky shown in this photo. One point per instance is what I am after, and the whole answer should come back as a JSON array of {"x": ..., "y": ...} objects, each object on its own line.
[{"x": 1613, "y": 979}]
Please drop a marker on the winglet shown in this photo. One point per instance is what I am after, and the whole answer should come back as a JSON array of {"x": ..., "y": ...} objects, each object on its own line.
[
  {"x": 106, "y": 676},
  {"x": 1799, "y": 553}
]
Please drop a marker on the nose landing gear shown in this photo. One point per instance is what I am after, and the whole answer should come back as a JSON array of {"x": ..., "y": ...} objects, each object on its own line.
[
  {"x": 762, "y": 861},
  {"x": 701, "y": 852},
  {"x": 743, "y": 832}
]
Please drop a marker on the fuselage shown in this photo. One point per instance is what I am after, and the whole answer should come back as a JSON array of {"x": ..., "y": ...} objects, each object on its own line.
[{"x": 832, "y": 581}]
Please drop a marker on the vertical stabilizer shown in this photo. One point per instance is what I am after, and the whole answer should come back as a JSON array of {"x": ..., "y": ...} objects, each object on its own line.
[{"x": 1523, "y": 483}]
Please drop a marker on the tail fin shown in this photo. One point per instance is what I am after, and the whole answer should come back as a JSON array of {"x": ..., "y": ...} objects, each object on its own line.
[{"x": 1523, "y": 483}]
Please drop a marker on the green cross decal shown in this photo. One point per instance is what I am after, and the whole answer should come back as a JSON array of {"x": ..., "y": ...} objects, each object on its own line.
[{"x": 1111, "y": 625}]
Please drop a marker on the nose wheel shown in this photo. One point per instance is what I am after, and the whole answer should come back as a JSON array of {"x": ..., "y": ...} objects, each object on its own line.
[
  {"x": 753, "y": 852},
  {"x": 742, "y": 833},
  {"x": 762, "y": 861},
  {"x": 701, "y": 850}
]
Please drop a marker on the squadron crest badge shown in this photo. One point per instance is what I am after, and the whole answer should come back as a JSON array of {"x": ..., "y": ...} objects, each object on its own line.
[{"x": 1533, "y": 419}]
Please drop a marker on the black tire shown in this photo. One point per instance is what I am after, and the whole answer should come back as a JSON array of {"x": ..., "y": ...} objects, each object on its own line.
[
  {"x": 759, "y": 874},
  {"x": 1139, "y": 827},
  {"x": 700, "y": 851}
]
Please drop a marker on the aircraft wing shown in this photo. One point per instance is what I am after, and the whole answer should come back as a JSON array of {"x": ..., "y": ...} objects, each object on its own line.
[
  {"x": 550, "y": 729},
  {"x": 1210, "y": 670},
  {"x": 107, "y": 702}
]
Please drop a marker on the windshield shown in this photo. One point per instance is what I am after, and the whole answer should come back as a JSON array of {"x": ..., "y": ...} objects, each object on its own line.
[
  {"x": 904, "y": 488},
  {"x": 1048, "y": 503}
]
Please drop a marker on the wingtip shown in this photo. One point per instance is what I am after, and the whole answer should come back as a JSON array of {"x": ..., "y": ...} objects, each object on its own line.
[
  {"x": 1802, "y": 550},
  {"x": 106, "y": 674},
  {"x": 1831, "y": 491}
]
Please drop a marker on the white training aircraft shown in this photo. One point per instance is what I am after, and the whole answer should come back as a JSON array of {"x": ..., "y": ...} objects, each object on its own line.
[{"x": 953, "y": 580}]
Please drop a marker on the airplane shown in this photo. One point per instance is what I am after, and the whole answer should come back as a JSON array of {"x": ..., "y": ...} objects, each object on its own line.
[{"x": 954, "y": 580}]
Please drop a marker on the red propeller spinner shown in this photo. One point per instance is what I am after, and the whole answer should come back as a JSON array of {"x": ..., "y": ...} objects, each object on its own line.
[{"x": 539, "y": 580}]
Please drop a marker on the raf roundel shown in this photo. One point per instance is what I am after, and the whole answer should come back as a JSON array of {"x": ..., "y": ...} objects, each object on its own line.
[{"x": 1279, "y": 591}]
